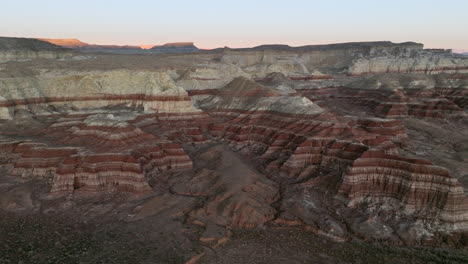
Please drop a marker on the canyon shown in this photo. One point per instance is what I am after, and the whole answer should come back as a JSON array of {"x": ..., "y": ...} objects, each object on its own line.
[{"x": 346, "y": 142}]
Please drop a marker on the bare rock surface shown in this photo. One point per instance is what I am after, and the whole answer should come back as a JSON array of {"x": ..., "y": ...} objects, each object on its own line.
[{"x": 358, "y": 148}]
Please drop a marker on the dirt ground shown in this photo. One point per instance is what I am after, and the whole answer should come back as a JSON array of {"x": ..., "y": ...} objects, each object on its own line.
[{"x": 40, "y": 239}]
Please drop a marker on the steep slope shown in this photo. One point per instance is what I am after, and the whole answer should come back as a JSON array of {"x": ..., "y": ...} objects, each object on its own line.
[
  {"x": 297, "y": 143},
  {"x": 242, "y": 94}
]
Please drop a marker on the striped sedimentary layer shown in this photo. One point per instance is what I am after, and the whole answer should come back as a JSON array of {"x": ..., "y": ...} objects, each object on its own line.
[
  {"x": 428, "y": 62},
  {"x": 33, "y": 159},
  {"x": 244, "y": 94},
  {"x": 22, "y": 49},
  {"x": 121, "y": 129},
  {"x": 376, "y": 176},
  {"x": 303, "y": 150},
  {"x": 459, "y": 96},
  {"x": 365, "y": 150},
  {"x": 98, "y": 152},
  {"x": 98, "y": 131},
  {"x": 95, "y": 172},
  {"x": 357, "y": 58},
  {"x": 432, "y": 103},
  {"x": 120, "y": 171},
  {"x": 58, "y": 92},
  {"x": 188, "y": 128}
]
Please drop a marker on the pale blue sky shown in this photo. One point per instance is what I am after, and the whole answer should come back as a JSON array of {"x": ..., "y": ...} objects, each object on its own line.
[{"x": 239, "y": 23}]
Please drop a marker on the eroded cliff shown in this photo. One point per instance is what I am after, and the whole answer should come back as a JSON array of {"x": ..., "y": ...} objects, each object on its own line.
[{"x": 321, "y": 138}]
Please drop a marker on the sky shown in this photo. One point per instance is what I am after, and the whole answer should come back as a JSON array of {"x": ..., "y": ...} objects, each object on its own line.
[{"x": 239, "y": 23}]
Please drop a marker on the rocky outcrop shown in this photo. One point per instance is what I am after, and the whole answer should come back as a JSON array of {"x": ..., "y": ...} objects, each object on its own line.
[
  {"x": 97, "y": 152},
  {"x": 22, "y": 49},
  {"x": 335, "y": 55},
  {"x": 67, "y": 43},
  {"x": 396, "y": 96},
  {"x": 100, "y": 172},
  {"x": 426, "y": 61},
  {"x": 33, "y": 159},
  {"x": 242, "y": 94},
  {"x": 420, "y": 185},
  {"x": 237, "y": 196},
  {"x": 55, "y": 92},
  {"x": 314, "y": 137},
  {"x": 177, "y": 47},
  {"x": 364, "y": 150},
  {"x": 358, "y": 58}
]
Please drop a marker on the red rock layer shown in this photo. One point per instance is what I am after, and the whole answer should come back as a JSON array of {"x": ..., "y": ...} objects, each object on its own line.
[
  {"x": 419, "y": 184},
  {"x": 236, "y": 195},
  {"x": 120, "y": 171},
  {"x": 310, "y": 77},
  {"x": 164, "y": 156},
  {"x": 299, "y": 144},
  {"x": 313, "y": 154},
  {"x": 366, "y": 150},
  {"x": 99, "y": 136},
  {"x": 107, "y": 97},
  {"x": 391, "y": 104},
  {"x": 458, "y": 96},
  {"x": 435, "y": 70},
  {"x": 294, "y": 78},
  {"x": 35, "y": 159},
  {"x": 183, "y": 128},
  {"x": 100, "y": 171},
  {"x": 95, "y": 152}
]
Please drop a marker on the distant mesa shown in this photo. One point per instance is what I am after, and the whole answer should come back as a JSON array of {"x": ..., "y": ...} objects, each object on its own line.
[
  {"x": 23, "y": 49},
  {"x": 20, "y": 44},
  {"x": 460, "y": 51},
  {"x": 146, "y": 46},
  {"x": 68, "y": 43},
  {"x": 176, "y": 47}
]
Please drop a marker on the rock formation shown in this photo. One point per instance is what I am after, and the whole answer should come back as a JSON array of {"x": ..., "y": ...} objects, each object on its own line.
[
  {"x": 177, "y": 47},
  {"x": 55, "y": 92},
  {"x": 67, "y": 43},
  {"x": 21, "y": 49},
  {"x": 314, "y": 137}
]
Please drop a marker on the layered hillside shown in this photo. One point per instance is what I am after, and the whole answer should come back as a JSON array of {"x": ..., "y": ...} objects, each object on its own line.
[
  {"x": 17, "y": 49},
  {"x": 68, "y": 43},
  {"x": 347, "y": 141},
  {"x": 350, "y": 58},
  {"x": 176, "y": 47}
]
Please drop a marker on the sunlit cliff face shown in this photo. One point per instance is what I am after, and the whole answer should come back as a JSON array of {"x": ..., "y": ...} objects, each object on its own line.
[
  {"x": 65, "y": 42},
  {"x": 146, "y": 46}
]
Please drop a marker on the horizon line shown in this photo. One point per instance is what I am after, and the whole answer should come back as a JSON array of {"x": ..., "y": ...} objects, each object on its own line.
[{"x": 149, "y": 46}]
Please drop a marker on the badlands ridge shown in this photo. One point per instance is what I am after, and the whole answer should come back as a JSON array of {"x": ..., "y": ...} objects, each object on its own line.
[{"x": 348, "y": 141}]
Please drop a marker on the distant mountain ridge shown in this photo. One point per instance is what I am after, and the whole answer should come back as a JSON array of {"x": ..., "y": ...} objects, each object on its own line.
[
  {"x": 165, "y": 48},
  {"x": 179, "y": 46},
  {"x": 68, "y": 43},
  {"x": 21, "y": 44},
  {"x": 22, "y": 49}
]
